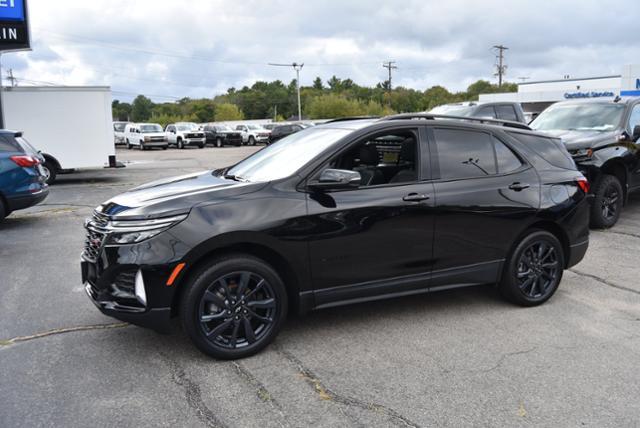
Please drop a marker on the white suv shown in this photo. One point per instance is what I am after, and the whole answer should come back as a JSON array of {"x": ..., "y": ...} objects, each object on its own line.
[
  {"x": 185, "y": 134},
  {"x": 145, "y": 136},
  {"x": 252, "y": 134}
]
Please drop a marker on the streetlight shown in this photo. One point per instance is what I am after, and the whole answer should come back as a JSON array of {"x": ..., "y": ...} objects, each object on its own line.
[{"x": 297, "y": 67}]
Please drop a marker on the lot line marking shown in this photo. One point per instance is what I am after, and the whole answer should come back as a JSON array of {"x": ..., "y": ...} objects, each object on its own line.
[{"x": 56, "y": 331}]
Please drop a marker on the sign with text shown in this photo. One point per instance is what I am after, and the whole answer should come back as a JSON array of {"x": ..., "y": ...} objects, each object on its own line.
[{"x": 14, "y": 25}]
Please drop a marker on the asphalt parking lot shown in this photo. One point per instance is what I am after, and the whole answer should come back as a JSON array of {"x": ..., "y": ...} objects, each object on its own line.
[{"x": 458, "y": 358}]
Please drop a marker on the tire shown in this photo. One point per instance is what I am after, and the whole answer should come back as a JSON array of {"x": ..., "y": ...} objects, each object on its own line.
[
  {"x": 3, "y": 211},
  {"x": 607, "y": 203},
  {"x": 533, "y": 270},
  {"x": 180, "y": 144},
  {"x": 129, "y": 146},
  {"x": 201, "y": 146},
  {"x": 218, "y": 142},
  {"x": 205, "y": 297},
  {"x": 51, "y": 171},
  {"x": 141, "y": 145},
  {"x": 165, "y": 147},
  {"x": 252, "y": 141}
]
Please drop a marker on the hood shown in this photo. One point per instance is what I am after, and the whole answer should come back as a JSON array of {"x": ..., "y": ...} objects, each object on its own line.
[
  {"x": 152, "y": 134},
  {"x": 173, "y": 196},
  {"x": 576, "y": 139}
]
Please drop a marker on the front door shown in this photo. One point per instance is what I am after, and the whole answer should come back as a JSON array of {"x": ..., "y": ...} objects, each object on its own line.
[{"x": 376, "y": 239}]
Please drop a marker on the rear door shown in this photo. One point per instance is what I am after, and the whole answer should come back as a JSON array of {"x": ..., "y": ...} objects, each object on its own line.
[{"x": 484, "y": 191}]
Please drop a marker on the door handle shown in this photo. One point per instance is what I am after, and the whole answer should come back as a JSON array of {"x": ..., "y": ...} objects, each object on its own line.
[
  {"x": 415, "y": 197},
  {"x": 517, "y": 186}
]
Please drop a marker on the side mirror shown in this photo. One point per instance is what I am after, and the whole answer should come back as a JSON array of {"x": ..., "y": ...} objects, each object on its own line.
[
  {"x": 337, "y": 179},
  {"x": 636, "y": 133}
]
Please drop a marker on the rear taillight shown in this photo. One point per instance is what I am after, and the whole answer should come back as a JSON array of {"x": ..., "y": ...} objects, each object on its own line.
[
  {"x": 25, "y": 160},
  {"x": 583, "y": 184}
]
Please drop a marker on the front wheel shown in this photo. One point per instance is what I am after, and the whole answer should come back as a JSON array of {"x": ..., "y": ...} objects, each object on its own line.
[
  {"x": 607, "y": 202},
  {"x": 218, "y": 142},
  {"x": 534, "y": 269},
  {"x": 129, "y": 146},
  {"x": 180, "y": 144},
  {"x": 252, "y": 141},
  {"x": 235, "y": 307}
]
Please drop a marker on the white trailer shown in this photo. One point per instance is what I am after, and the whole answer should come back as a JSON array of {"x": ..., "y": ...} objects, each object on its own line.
[{"x": 71, "y": 126}]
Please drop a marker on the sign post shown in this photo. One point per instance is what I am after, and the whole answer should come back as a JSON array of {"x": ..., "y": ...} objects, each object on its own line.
[{"x": 14, "y": 34}]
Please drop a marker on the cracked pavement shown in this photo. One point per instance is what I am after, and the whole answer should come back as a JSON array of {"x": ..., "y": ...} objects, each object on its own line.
[{"x": 461, "y": 357}]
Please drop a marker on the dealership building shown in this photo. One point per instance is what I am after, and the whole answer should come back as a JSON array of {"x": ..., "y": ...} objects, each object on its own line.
[{"x": 536, "y": 96}]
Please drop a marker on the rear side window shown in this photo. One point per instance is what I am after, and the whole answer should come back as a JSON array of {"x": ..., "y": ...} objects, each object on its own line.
[
  {"x": 506, "y": 112},
  {"x": 464, "y": 154},
  {"x": 7, "y": 144},
  {"x": 550, "y": 149},
  {"x": 507, "y": 160},
  {"x": 486, "y": 111}
]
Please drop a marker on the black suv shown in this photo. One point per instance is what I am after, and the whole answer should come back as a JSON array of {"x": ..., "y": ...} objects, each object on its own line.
[
  {"x": 221, "y": 135},
  {"x": 602, "y": 136},
  {"x": 343, "y": 212},
  {"x": 282, "y": 131},
  {"x": 511, "y": 111}
]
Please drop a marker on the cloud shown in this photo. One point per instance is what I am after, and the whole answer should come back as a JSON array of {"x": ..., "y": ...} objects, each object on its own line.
[{"x": 202, "y": 47}]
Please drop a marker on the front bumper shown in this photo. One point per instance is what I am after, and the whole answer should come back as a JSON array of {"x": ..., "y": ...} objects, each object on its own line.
[{"x": 195, "y": 141}]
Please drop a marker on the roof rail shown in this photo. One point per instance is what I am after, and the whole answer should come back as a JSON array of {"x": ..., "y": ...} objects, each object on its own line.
[
  {"x": 345, "y": 119},
  {"x": 430, "y": 116}
]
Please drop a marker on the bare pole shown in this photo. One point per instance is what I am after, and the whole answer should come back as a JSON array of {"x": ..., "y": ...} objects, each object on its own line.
[
  {"x": 389, "y": 65},
  {"x": 297, "y": 67},
  {"x": 501, "y": 68}
]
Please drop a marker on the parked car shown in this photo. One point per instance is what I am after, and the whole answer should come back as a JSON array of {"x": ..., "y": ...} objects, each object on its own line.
[
  {"x": 490, "y": 110},
  {"x": 282, "y": 131},
  {"x": 220, "y": 135},
  {"x": 343, "y": 212},
  {"x": 145, "y": 136},
  {"x": 252, "y": 134},
  {"x": 185, "y": 134},
  {"x": 22, "y": 179},
  {"x": 269, "y": 126},
  {"x": 603, "y": 138},
  {"x": 118, "y": 133}
]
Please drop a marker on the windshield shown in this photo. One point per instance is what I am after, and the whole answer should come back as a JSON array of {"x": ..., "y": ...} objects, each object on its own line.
[
  {"x": 223, "y": 128},
  {"x": 453, "y": 110},
  {"x": 119, "y": 127},
  {"x": 146, "y": 129},
  {"x": 287, "y": 156},
  {"x": 580, "y": 117},
  {"x": 254, "y": 127},
  {"x": 187, "y": 127}
]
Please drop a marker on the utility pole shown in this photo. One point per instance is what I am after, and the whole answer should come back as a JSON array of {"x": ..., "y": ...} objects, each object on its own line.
[
  {"x": 390, "y": 65},
  {"x": 501, "y": 68},
  {"x": 297, "y": 67},
  {"x": 12, "y": 79}
]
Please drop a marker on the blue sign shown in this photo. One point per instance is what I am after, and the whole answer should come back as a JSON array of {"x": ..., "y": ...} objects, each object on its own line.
[
  {"x": 592, "y": 94},
  {"x": 11, "y": 10}
]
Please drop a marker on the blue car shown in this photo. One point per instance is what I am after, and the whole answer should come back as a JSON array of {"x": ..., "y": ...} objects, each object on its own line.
[{"x": 22, "y": 179}]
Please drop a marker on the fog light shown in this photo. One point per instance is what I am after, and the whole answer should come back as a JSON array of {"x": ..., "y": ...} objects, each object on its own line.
[{"x": 140, "y": 292}]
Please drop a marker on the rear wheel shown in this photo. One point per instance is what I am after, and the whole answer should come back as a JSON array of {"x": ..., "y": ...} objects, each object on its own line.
[
  {"x": 3, "y": 210},
  {"x": 534, "y": 269},
  {"x": 50, "y": 171},
  {"x": 607, "y": 203},
  {"x": 235, "y": 307}
]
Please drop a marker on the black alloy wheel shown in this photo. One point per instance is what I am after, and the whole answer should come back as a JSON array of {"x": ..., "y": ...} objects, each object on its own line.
[
  {"x": 607, "y": 204},
  {"x": 234, "y": 308},
  {"x": 534, "y": 270}
]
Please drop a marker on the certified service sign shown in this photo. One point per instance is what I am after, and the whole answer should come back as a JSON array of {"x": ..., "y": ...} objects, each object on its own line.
[{"x": 14, "y": 26}]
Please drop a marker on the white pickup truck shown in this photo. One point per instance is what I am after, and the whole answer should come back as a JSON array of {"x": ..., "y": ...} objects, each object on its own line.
[
  {"x": 185, "y": 134},
  {"x": 252, "y": 134}
]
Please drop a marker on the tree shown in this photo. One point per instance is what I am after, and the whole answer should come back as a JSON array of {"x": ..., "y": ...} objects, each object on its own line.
[
  {"x": 226, "y": 111},
  {"x": 141, "y": 109},
  {"x": 121, "y": 111},
  {"x": 334, "y": 83},
  {"x": 317, "y": 84},
  {"x": 333, "y": 106}
]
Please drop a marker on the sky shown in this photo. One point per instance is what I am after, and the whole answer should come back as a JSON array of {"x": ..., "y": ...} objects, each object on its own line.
[{"x": 200, "y": 48}]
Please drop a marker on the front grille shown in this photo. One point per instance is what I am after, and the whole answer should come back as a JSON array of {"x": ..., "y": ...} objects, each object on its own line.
[
  {"x": 157, "y": 139},
  {"x": 193, "y": 135},
  {"x": 95, "y": 236}
]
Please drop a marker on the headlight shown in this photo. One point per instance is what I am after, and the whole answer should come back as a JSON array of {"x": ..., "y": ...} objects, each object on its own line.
[
  {"x": 581, "y": 153},
  {"x": 134, "y": 231}
]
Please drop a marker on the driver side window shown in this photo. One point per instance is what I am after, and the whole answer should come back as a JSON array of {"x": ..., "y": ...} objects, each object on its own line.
[{"x": 387, "y": 158}]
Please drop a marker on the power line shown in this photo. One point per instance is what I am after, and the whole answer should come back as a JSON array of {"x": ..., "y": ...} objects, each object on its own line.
[{"x": 501, "y": 68}]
